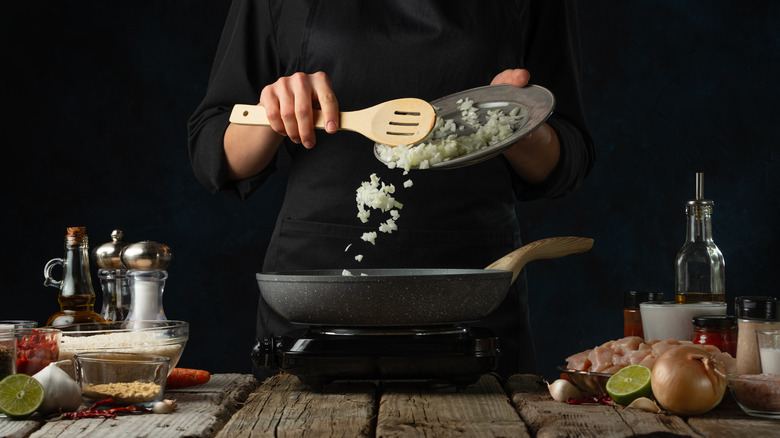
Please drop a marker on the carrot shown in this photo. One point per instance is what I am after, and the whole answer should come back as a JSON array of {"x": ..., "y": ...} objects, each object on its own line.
[{"x": 181, "y": 377}]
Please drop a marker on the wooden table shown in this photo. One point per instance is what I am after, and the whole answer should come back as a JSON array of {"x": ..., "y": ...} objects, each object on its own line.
[{"x": 235, "y": 405}]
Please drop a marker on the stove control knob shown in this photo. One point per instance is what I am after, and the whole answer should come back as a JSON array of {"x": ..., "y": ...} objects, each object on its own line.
[{"x": 263, "y": 353}]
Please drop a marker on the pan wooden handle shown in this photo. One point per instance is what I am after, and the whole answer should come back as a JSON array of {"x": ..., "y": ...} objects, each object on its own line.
[{"x": 550, "y": 248}]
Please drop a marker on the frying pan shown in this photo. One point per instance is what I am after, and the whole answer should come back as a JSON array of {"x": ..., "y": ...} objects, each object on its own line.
[{"x": 404, "y": 297}]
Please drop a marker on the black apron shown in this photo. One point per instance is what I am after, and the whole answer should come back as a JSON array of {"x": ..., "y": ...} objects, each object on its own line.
[{"x": 373, "y": 52}]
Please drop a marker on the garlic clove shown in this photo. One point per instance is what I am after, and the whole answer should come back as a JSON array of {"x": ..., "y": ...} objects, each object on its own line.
[
  {"x": 644, "y": 404},
  {"x": 164, "y": 407},
  {"x": 562, "y": 390}
]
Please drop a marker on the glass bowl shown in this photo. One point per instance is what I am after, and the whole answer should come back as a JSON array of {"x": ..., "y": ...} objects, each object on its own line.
[
  {"x": 757, "y": 394},
  {"x": 36, "y": 348},
  {"x": 162, "y": 338},
  {"x": 587, "y": 381},
  {"x": 126, "y": 378}
]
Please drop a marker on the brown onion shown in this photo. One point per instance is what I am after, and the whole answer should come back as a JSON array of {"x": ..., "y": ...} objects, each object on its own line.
[{"x": 687, "y": 380}]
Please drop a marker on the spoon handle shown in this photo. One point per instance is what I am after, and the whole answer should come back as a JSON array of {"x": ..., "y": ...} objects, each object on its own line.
[{"x": 550, "y": 248}]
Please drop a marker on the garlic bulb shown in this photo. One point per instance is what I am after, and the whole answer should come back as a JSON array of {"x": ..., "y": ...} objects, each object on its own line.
[{"x": 60, "y": 391}]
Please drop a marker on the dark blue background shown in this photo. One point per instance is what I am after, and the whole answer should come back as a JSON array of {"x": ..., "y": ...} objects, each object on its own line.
[{"x": 97, "y": 95}]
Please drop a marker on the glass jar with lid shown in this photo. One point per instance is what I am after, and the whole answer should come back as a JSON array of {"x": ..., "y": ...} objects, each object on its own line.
[
  {"x": 632, "y": 318},
  {"x": 7, "y": 350},
  {"x": 754, "y": 313},
  {"x": 717, "y": 330}
]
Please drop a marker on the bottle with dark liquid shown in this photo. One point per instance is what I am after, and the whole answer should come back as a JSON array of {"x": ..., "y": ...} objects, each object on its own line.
[
  {"x": 76, "y": 294},
  {"x": 699, "y": 267}
]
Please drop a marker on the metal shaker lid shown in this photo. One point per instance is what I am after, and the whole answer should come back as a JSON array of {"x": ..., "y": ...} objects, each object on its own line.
[
  {"x": 757, "y": 307},
  {"x": 147, "y": 256},
  {"x": 107, "y": 255}
]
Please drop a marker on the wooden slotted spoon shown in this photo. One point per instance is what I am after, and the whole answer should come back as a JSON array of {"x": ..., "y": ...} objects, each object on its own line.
[{"x": 395, "y": 122}]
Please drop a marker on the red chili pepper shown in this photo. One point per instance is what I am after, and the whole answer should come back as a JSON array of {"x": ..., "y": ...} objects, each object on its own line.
[
  {"x": 87, "y": 414},
  {"x": 34, "y": 353},
  {"x": 94, "y": 412},
  {"x": 97, "y": 404}
]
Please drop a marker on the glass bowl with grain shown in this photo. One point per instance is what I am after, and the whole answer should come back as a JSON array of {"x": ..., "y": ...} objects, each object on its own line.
[
  {"x": 161, "y": 338},
  {"x": 125, "y": 378}
]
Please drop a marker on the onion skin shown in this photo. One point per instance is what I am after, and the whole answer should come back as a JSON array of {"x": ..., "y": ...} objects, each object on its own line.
[{"x": 688, "y": 381}]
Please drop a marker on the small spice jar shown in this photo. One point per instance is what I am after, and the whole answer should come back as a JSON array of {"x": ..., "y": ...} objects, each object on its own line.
[
  {"x": 753, "y": 313},
  {"x": 7, "y": 350},
  {"x": 632, "y": 319},
  {"x": 719, "y": 331}
]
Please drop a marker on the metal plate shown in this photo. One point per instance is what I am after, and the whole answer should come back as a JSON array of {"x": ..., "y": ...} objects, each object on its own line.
[{"x": 537, "y": 100}]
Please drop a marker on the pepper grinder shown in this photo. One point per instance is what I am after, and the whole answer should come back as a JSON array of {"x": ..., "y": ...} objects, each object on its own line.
[
  {"x": 147, "y": 263},
  {"x": 113, "y": 278}
]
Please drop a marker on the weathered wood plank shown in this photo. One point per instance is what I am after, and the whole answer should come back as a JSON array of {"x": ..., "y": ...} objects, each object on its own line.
[
  {"x": 728, "y": 420},
  {"x": 546, "y": 417},
  {"x": 418, "y": 409},
  {"x": 283, "y": 407},
  {"x": 18, "y": 428},
  {"x": 202, "y": 411}
]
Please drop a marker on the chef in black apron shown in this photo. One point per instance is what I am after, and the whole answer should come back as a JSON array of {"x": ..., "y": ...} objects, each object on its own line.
[{"x": 371, "y": 52}]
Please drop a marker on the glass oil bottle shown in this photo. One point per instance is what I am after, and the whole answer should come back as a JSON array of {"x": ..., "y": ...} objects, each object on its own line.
[
  {"x": 699, "y": 266},
  {"x": 76, "y": 293}
]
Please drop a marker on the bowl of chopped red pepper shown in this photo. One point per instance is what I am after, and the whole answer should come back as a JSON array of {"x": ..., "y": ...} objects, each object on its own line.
[{"x": 36, "y": 349}]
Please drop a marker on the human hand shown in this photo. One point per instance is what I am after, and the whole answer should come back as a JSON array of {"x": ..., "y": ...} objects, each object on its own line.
[
  {"x": 518, "y": 77},
  {"x": 289, "y": 103}
]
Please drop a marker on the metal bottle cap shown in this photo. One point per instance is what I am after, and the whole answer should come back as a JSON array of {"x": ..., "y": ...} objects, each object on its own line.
[
  {"x": 147, "y": 256},
  {"x": 107, "y": 255}
]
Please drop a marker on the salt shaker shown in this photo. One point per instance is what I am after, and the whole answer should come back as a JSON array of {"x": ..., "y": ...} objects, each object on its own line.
[
  {"x": 753, "y": 313},
  {"x": 147, "y": 263},
  {"x": 113, "y": 279}
]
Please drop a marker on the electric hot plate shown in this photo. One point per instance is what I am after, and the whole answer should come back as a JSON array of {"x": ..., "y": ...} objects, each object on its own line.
[{"x": 458, "y": 355}]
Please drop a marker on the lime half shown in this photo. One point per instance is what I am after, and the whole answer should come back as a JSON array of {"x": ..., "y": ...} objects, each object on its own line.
[
  {"x": 20, "y": 395},
  {"x": 629, "y": 384}
]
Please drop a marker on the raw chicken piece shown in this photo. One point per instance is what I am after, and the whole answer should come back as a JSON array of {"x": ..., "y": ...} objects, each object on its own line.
[
  {"x": 627, "y": 344},
  {"x": 620, "y": 360},
  {"x": 637, "y": 356},
  {"x": 660, "y": 347},
  {"x": 649, "y": 361},
  {"x": 579, "y": 361},
  {"x": 600, "y": 359}
]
